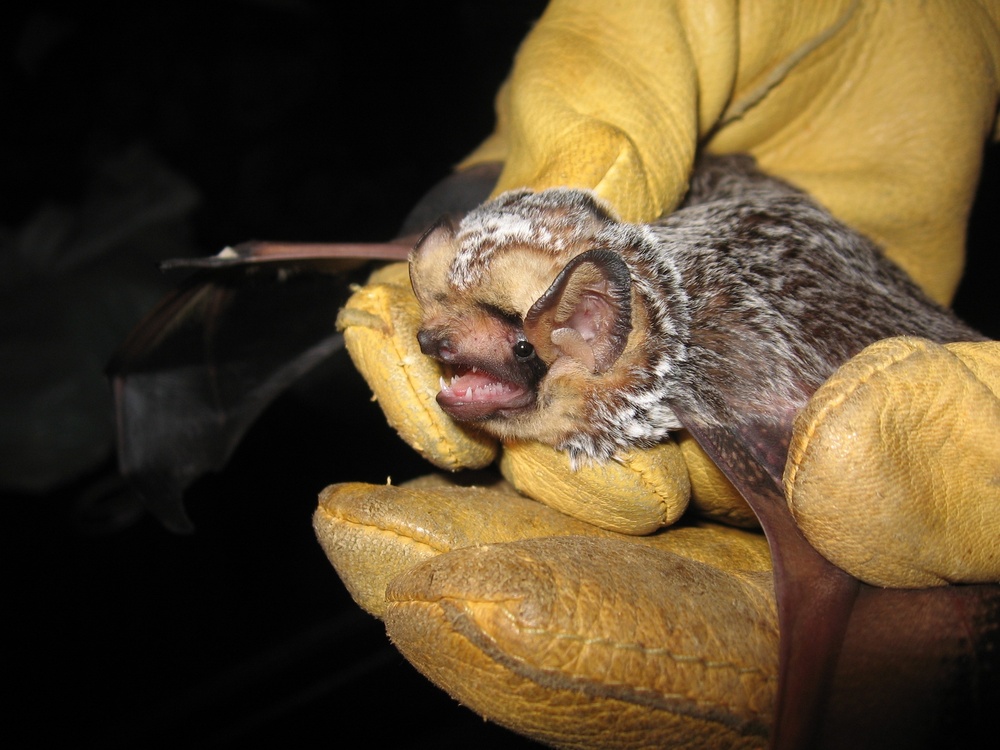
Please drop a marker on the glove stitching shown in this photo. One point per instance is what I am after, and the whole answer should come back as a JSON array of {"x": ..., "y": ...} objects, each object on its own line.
[
  {"x": 367, "y": 526},
  {"x": 464, "y": 625},
  {"x": 648, "y": 479},
  {"x": 748, "y": 101}
]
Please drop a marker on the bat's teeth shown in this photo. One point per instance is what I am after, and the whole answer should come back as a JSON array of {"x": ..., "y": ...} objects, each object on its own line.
[
  {"x": 472, "y": 384},
  {"x": 488, "y": 389}
]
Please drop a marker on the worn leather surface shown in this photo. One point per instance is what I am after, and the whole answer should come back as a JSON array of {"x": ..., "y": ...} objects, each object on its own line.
[
  {"x": 558, "y": 629},
  {"x": 894, "y": 467}
]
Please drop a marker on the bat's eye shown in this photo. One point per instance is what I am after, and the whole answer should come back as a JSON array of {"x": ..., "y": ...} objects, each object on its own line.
[{"x": 524, "y": 350}]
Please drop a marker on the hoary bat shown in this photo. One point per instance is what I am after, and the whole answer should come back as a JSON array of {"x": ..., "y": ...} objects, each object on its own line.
[{"x": 555, "y": 322}]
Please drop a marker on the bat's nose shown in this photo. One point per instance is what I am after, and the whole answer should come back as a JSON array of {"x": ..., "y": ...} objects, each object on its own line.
[
  {"x": 435, "y": 345},
  {"x": 428, "y": 342}
]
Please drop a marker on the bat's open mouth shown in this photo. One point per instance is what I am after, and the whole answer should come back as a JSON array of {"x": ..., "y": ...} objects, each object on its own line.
[{"x": 470, "y": 393}]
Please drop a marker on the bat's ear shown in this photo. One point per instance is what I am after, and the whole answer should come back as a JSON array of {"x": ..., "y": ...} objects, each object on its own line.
[
  {"x": 431, "y": 258},
  {"x": 586, "y": 313}
]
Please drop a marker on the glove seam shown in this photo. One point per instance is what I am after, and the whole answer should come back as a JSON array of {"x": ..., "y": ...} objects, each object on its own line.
[
  {"x": 345, "y": 521},
  {"x": 455, "y": 611},
  {"x": 745, "y": 103},
  {"x": 653, "y": 488},
  {"x": 459, "y": 605}
]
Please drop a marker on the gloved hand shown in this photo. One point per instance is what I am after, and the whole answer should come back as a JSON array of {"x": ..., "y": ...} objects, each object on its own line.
[
  {"x": 558, "y": 629},
  {"x": 880, "y": 111}
]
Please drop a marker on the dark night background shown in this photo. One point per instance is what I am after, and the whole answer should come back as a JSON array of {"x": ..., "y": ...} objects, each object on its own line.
[{"x": 142, "y": 131}]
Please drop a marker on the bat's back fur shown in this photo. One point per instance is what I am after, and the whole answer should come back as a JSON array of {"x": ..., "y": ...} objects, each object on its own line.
[{"x": 780, "y": 293}]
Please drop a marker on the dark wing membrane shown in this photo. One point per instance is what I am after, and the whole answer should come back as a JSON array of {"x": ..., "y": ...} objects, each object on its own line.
[
  {"x": 455, "y": 195},
  {"x": 815, "y": 598},
  {"x": 918, "y": 668},
  {"x": 196, "y": 373},
  {"x": 204, "y": 364}
]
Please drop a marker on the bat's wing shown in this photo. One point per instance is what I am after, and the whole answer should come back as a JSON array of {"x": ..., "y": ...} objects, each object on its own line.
[
  {"x": 202, "y": 366},
  {"x": 815, "y": 599},
  {"x": 861, "y": 666},
  {"x": 335, "y": 256}
]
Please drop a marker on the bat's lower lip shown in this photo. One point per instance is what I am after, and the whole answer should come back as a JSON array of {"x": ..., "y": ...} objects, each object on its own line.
[
  {"x": 479, "y": 411},
  {"x": 472, "y": 394}
]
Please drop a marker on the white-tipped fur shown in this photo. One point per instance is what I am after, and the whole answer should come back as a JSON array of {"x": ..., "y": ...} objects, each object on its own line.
[{"x": 742, "y": 302}]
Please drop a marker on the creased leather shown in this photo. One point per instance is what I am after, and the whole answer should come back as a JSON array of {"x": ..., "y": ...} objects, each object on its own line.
[
  {"x": 559, "y": 629},
  {"x": 894, "y": 466}
]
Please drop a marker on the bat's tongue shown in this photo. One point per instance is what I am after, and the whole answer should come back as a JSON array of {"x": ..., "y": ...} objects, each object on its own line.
[{"x": 470, "y": 393}]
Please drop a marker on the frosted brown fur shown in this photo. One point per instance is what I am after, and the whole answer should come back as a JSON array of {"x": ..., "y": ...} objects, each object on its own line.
[{"x": 560, "y": 323}]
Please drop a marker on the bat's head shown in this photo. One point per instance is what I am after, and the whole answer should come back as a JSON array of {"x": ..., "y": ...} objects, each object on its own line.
[{"x": 530, "y": 306}]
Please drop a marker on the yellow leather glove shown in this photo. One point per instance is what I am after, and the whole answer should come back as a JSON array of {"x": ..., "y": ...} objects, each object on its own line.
[
  {"x": 880, "y": 110},
  {"x": 892, "y": 469},
  {"x": 514, "y": 609},
  {"x": 591, "y": 102}
]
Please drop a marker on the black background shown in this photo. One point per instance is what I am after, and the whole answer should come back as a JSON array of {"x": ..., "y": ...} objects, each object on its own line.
[
  {"x": 280, "y": 120},
  {"x": 290, "y": 120}
]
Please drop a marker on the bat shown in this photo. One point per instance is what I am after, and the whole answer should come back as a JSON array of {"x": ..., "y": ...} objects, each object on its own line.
[
  {"x": 204, "y": 364},
  {"x": 555, "y": 322}
]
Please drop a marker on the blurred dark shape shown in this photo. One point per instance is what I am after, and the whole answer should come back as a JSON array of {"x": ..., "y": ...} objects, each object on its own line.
[{"x": 73, "y": 280}]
